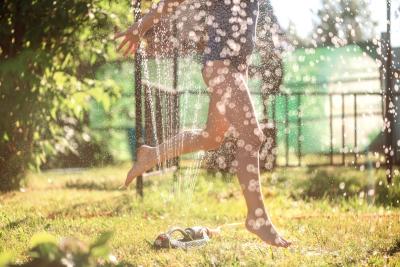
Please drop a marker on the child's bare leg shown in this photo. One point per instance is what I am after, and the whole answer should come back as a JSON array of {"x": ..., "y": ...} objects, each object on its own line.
[
  {"x": 184, "y": 142},
  {"x": 239, "y": 111}
]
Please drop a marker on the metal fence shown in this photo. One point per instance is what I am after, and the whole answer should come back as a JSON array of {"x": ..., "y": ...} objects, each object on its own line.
[{"x": 333, "y": 156}]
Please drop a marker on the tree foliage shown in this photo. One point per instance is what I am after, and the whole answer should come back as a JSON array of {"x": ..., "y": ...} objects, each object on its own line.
[
  {"x": 341, "y": 22},
  {"x": 48, "y": 53}
]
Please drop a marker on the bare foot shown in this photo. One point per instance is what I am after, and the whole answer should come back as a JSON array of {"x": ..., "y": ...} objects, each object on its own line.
[
  {"x": 260, "y": 225},
  {"x": 145, "y": 159}
]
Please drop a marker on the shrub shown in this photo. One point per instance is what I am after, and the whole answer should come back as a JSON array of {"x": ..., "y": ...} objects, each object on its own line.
[
  {"x": 49, "y": 51},
  {"x": 82, "y": 149},
  {"x": 388, "y": 194},
  {"x": 331, "y": 183},
  {"x": 337, "y": 183}
]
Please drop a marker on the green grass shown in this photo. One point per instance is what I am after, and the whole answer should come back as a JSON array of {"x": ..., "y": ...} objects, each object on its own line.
[{"x": 325, "y": 230}]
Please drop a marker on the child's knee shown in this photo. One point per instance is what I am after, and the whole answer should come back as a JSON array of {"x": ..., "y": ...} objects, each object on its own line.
[{"x": 212, "y": 138}]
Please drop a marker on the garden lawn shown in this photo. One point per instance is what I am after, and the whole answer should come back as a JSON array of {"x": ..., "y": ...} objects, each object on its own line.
[{"x": 85, "y": 203}]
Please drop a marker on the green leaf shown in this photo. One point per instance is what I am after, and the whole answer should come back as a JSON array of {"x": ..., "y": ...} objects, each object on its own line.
[
  {"x": 43, "y": 237},
  {"x": 100, "y": 251},
  {"x": 5, "y": 259},
  {"x": 46, "y": 251}
]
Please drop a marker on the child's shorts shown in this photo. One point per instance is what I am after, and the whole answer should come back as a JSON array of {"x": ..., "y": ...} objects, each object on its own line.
[{"x": 231, "y": 30}]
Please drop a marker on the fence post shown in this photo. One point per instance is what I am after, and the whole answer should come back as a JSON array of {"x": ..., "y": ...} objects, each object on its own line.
[
  {"x": 331, "y": 128},
  {"x": 148, "y": 122},
  {"x": 355, "y": 150},
  {"x": 138, "y": 99},
  {"x": 389, "y": 116},
  {"x": 175, "y": 97},
  {"x": 299, "y": 131},
  {"x": 287, "y": 125},
  {"x": 343, "y": 130},
  {"x": 159, "y": 123}
]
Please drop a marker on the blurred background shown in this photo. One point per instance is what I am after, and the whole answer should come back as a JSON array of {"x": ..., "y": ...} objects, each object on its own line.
[{"x": 324, "y": 79}]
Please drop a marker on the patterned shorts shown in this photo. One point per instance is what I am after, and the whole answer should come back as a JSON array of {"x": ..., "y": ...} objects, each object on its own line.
[{"x": 231, "y": 31}]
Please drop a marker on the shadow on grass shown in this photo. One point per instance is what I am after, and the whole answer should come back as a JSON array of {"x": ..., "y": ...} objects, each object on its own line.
[
  {"x": 331, "y": 184},
  {"x": 104, "y": 208},
  {"x": 15, "y": 224},
  {"x": 395, "y": 248},
  {"x": 99, "y": 185}
]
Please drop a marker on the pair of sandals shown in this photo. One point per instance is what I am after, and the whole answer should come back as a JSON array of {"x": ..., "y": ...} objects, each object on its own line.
[{"x": 192, "y": 237}]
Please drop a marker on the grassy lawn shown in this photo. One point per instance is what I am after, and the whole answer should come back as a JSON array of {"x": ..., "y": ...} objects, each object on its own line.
[{"x": 326, "y": 231}]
